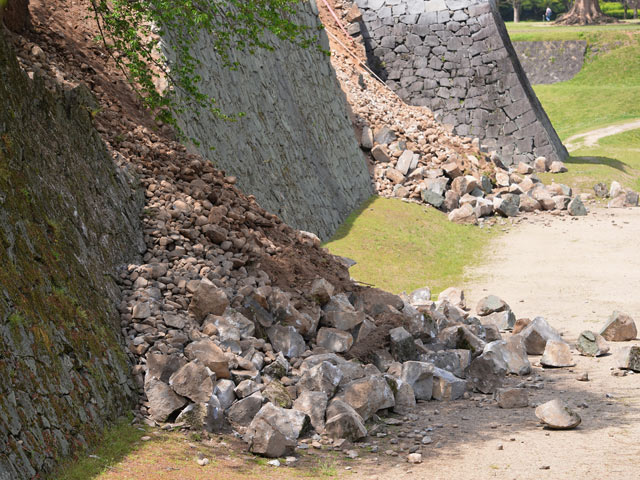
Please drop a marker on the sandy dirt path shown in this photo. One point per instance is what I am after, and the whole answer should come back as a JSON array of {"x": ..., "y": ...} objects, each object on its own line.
[
  {"x": 573, "y": 272},
  {"x": 590, "y": 138}
]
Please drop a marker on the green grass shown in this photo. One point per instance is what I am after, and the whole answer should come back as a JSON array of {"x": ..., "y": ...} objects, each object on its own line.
[
  {"x": 117, "y": 442},
  {"x": 593, "y": 34},
  {"x": 615, "y": 158},
  {"x": 606, "y": 91},
  {"x": 403, "y": 246}
]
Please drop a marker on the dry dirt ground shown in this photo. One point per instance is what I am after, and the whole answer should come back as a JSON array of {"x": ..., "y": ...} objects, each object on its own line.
[{"x": 590, "y": 138}]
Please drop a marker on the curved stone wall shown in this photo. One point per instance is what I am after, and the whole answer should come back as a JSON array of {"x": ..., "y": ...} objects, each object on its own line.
[
  {"x": 295, "y": 148},
  {"x": 455, "y": 57},
  {"x": 551, "y": 62}
]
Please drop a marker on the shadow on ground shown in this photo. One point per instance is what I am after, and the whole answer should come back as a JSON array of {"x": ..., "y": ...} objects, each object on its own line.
[{"x": 609, "y": 162}]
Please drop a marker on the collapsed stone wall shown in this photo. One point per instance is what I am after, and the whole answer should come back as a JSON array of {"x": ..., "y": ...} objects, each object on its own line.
[
  {"x": 68, "y": 217},
  {"x": 294, "y": 149},
  {"x": 551, "y": 62},
  {"x": 455, "y": 57}
]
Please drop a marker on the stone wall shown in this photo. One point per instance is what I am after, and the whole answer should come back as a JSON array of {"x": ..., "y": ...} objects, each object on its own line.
[
  {"x": 551, "y": 62},
  {"x": 68, "y": 217},
  {"x": 295, "y": 149},
  {"x": 455, "y": 57}
]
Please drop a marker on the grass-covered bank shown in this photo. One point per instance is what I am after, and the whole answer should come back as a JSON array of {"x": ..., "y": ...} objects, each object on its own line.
[
  {"x": 403, "y": 246},
  {"x": 605, "y": 92},
  {"x": 615, "y": 158}
]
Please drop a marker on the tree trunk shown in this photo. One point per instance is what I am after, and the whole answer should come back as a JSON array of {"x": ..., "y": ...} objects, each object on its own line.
[
  {"x": 16, "y": 15},
  {"x": 516, "y": 12},
  {"x": 584, "y": 12},
  {"x": 635, "y": 10}
]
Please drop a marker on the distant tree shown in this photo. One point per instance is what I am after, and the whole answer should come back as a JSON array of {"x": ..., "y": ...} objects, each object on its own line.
[{"x": 584, "y": 12}]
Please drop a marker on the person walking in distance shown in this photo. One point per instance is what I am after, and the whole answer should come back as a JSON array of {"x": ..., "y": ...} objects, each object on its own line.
[{"x": 547, "y": 14}]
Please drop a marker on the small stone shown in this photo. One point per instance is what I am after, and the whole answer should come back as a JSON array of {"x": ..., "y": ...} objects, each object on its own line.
[
  {"x": 414, "y": 458},
  {"x": 619, "y": 328},
  {"x": 583, "y": 377},
  {"x": 557, "y": 354},
  {"x": 491, "y": 304},
  {"x": 628, "y": 358},
  {"x": 146, "y": 438},
  {"x": 591, "y": 344},
  {"x": 512, "y": 398},
  {"x": 556, "y": 414},
  {"x": 576, "y": 208},
  {"x": 426, "y": 440},
  {"x": 536, "y": 335},
  {"x": 202, "y": 461},
  {"x": 274, "y": 463}
]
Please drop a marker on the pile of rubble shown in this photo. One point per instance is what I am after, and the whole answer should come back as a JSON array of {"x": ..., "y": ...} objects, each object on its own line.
[
  {"x": 619, "y": 197},
  {"x": 412, "y": 157}
]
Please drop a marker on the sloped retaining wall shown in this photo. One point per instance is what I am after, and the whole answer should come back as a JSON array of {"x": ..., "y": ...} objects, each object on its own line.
[
  {"x": 68, "y": 218},
  {"x": 294, "y": 149},
  {"x": 455, "y": 57},
  {"x": 551, "y": 62}
]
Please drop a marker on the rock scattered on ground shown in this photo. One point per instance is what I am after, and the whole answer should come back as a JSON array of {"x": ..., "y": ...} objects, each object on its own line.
[{"x": 557, "y": 415}]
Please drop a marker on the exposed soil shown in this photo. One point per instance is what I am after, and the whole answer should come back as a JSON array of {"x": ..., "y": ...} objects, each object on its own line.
[{"x": 591, "y": 138}]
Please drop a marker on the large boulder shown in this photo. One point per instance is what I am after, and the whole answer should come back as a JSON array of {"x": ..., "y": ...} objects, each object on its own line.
[
  {"x": 513, "y": 353},
  {"x": 224, "y": 391},
  {"x": 324, "y": 377},
  {"x": 207, "y": 416},
  {"x": 208, "y": 299},
  {"x": 455, "y": 361},
  {"x": 274, "y": 431},
  {"x": 447, "y": 386},
  {"x": 487, "y": 372},
  {"x": 334, "y": 340},
  {"x": 193, "y": 381},
  {"x": 314, "y": 404},
  {"x": 347, "y": 425},
  {"x": 161, "y": 367},
  {"x": 419, "y": 375},
  {"x": 556, "y": 414},
  {"x": 340, "y": 314},
  {"x": 242, "y": 412},
  {"x": 537, "y": 334},
  {"x": 405, "y": 398},
  {"x": 210, "y": 355},
  {"x": 286, "y": 340},
  {"x": 368, "y": 395},
  {"x": 461, "y": 337},
  {"x": 232, "y": 326},
  {"x": 403, "y": 347},
  {"x": 321, "y": 291},
  {"x": 504, "y": 320},
  {"x": 619, "y": 328},
  {"x": 163, "y": 401}
]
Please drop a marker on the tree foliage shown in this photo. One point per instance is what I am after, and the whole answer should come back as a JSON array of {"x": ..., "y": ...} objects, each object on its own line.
[{"x": 132, "y": 31}]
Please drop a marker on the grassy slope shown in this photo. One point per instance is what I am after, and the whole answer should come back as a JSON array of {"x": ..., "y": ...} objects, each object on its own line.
[
  {"x": 605, "y": 92},
  {"x": 403, "y": 246},
  {"x": 615, "y": 158}
]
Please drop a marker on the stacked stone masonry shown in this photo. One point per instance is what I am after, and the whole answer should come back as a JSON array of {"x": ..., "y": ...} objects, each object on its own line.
[
  {"x": 455, "y": 57},
  {"x": 294, "y": 149},
  {"x": 551, "y": 62},
  {"x": 68, "y": 218}
]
